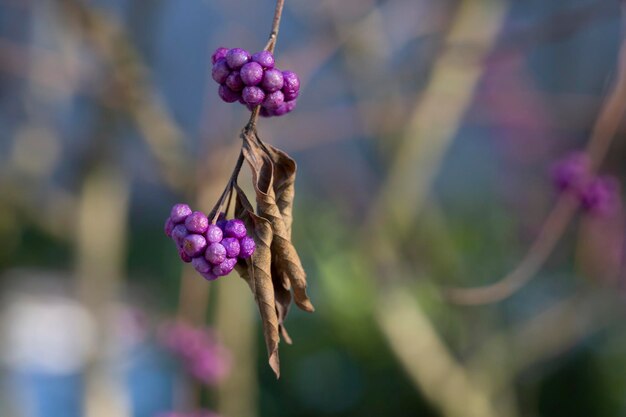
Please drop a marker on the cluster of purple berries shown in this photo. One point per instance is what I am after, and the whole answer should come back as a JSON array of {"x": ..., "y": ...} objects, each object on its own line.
[
  {"x": 253, "y": 80},
  {"x": 212, "y": 249},
  {"x": 597, "y": 194},
  {"x": 202, "y": 355}
]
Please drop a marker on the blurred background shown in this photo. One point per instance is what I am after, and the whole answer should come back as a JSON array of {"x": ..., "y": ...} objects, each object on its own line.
[{"x": 424, "y": 137}]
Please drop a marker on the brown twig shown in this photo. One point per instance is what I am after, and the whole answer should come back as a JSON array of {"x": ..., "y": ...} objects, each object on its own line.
[{"x": 603, "y": 133}]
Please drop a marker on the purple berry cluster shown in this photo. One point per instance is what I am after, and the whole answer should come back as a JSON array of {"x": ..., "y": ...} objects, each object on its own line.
[
  {"x": 202, "y": 355},
  {"x": 597, "y": 194},
  {"x": 212, "y": 249},
  {"x": 253, "y": 80}
]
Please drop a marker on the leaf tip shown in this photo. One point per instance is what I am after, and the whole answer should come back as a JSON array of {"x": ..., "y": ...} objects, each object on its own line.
[{"x": 275, "y": 363}]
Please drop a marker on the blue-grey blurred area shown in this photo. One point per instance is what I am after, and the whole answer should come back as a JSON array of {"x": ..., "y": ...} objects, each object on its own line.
[{"x": 424, "y": 134}]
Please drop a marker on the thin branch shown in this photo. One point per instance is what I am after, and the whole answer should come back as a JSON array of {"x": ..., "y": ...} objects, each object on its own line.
[{"x": 603, "y": 134}]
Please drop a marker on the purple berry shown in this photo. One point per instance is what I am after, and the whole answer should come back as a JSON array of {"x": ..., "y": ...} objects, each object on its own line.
[
  {"x": 251, "y": 73},
  {"x": 272, "y": 80},
  {"x": 265, "y": 58},
  {"x": 274, "y": 100},
  {"x": 571, "y": 172},
  {"x": 234, "y": 82},
  {"x": 291, "y": 82},
  {"x": 197, "y": 222},
  {"x": 179, "y": 213},
  {"x": 225, "y": 267},
  {"x": 183, "y": 256},
  {"x": 214, "y": 234},
  {"x": 221, "y": 221},
  {"x": 232, "y": 246},
  {"x": 600, "y": 196},
  {"x": 220, "y": 53},
  {"x": 227, "y": 94},
  {"x": 235, "y": 228},
  {"x": 253, "y": 95},
  {"x": 169, "y": 226},
  {"x": 215, "y": 253},
  {"x": 179, "y": 232},
  {"x": 290, "y": 95},
  {"x": 247, "y": 247},
  {"x": 209, "y": 276},
  {"x": 194, "y": 244},
  {"x": 265, "y": 112},
  {"x": 237, "y": 57},
  {"x": 285, "y": 108},
  {"x": 220, "y": 71},
  {"x": 201, "y": 265}
]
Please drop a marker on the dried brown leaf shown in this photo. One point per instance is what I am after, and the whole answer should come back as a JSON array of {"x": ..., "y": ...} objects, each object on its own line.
[
  {"x": 284, "y": 184},
  {"x": 282, "y": 296},
  {"x": 258, "y": 275},
  {"x": 286, "y": 259}
]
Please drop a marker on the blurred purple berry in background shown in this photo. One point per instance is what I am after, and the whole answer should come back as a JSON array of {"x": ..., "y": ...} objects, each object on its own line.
[
  {"x": 264, "y": 58},
  {"x": 180, "y": 212},
  {"x": 237, "y": 57},
  {"x": 220, "y": 53},
  {"x": 220, "y": 71},
  {"x": 571, "y": 172},
  {"x": 601, "y": 195}
]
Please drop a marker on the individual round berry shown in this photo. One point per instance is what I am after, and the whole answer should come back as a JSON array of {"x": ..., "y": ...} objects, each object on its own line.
[
  {"x": 193, "y": 244},
  {"x": 272, "y": 80},
  {"x": 220, "y": 53},
  {"x": 225, "y": 267},
  {"x": 285, "y": 108},
  {"x": 168, "y": 227},
  {"x": 209, "y": 276},
  {"x": 197, "y": 222},
  {"x": 265, "y": 58},
  {"x": 183, "y": 256},
  {"x": 237, "y": 57},
  {"x": 179, "y": 232},
  {"x": 235, "y": 228},
  {"x": 253, "y": 95},
  {"x": 265, "y": 112},
  {"x": 290, "y": 95},
  {"x": 274, "y": 100},
  {"x": 215, "y": 253},
  {"x": 247, "y": 247},
  {"x": 232, "y": 246},
  {"x": 251, "y": 73},
  {"x": 291, "y": 82},
  {"x": 234, "y": 82},
  {"x": 220, "y": 71},
  {"x": 227, "y": 94},
  {"x": 201, "y": 265},
  {"x": 221, "y": 221},
  {"x": 214, "y": 234},
  {"x": 179, "y": 213}
]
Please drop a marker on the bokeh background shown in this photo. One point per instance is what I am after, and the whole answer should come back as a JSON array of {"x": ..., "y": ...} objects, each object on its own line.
[{"x": 424, "y": 136}]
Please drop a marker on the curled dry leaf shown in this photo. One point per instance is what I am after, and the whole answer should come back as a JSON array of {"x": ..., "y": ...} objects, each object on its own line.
[
  {"x": 286, "y": 260},
  {"x": 258, "y": 276}
]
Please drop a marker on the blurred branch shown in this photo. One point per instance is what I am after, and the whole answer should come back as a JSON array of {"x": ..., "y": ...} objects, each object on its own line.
[
  {"x": 607, "y": 124},
  {"x": 135, "y": 92}
]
